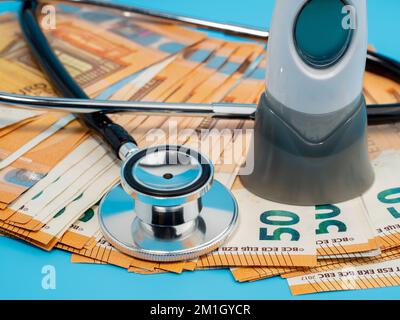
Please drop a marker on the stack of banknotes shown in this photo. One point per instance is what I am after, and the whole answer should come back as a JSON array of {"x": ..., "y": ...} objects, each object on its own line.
[{"x": 53, "y": 172}]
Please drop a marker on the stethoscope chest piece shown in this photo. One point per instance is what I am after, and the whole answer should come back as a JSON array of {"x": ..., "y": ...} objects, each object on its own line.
[{"x": 167, "y": 207}]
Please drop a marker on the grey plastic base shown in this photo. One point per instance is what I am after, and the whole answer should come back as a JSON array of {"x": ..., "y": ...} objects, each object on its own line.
[{"x": 290, "y": 169}]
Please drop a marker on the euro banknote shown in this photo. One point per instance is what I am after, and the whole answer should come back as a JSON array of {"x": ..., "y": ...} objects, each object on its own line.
[
  {"x": 385, "y": 273},
  {"x": 10, "y": 116},
  {"x": 268, "y": 234},
  {"x": 380, "y": 219},
  {"x": 25, "y": 171},
  {"x": 235, "y": 67},
  {"x": 167, "y": 77},
  {"x": 82, "y": 233},
  {"x": 182, "y": 90},
  {"x": 160, "y": 37},
  {"x": 92, "y": 253},
  {"x": 96, "y": 58},
  {"x": 56, "y": 216}
]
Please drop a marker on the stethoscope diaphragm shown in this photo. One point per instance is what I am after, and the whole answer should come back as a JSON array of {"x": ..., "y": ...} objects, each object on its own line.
[{"x": 167, "y": 207}]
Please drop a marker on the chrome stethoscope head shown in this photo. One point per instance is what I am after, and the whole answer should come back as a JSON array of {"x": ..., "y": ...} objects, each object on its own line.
[{"x": 167, "y": 207}]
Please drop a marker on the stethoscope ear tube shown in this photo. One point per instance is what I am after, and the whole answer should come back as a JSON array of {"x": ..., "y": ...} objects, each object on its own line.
[
  {"x": 383, "y": 113},
  {"x": 112, "y": 133}
]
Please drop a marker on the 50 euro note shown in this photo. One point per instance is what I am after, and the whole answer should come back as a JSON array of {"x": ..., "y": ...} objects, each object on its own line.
[
  {"x": 28, "y": 207},
  {"x": 96, "y": 58},
  {"x": 199, "y": 57},
  {"x": 103, "y": 252},
  {"x": 77, "y": 258},
  {"x": 48, "y": 203},
  {"x": 380, "y": 90},
  {"x": 389, "y": 254},
  {"x": 8, "y": 129},
  {"x": 381, "y": 204},
  {"x": 182, "y": 89},
  {"x": 380, "y": 138},
  {"x": 196, "y": 66},
  {"x": 380, "y": 274},
  {"x": 383, "y": 199},
  {"x": 38, "y": 158},
  {"x": 69, "y": 206},
  {"x": 234, "y": 68},
  {"x": 35, "y": 207},
  {"x": 97, "y": 253},
  {"x": 123, "y": 51},
  {"x": 233, "y": 158},
  {"x": 249, "y": 274},
  {"x": 18, "y": 70},
  {"x": 249, "y": 88},
  {"x": 82, "y": 233},
  {"x": 72, "y": 183},
  {"x": 344, "y": 230},
  {"x": 21, "y": 135},
  {"x": 89, "y": 196},
  {"x": 167, "y": 77},
  {"x": 249, "y": 245},
  {"x": 241, "y": 80},
  {"x": 33, "y": 165},
  {"x": 10, "y": 115},
  {"x": 341, "y": 230},
  {"x": 215, "y": 138},
  {"x": 268, "y": 234},
  {"x": 45, "y": 134}
]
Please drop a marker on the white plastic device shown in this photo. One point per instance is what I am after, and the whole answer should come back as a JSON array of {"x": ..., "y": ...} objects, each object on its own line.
[{"x": 310, "y": 127}]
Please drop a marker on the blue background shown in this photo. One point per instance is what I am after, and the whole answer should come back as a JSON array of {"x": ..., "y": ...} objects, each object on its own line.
[{"x": 21, "y": 264}]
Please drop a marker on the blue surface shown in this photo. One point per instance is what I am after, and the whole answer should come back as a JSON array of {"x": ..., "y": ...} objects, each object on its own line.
[{"x": 21, "y": 264}]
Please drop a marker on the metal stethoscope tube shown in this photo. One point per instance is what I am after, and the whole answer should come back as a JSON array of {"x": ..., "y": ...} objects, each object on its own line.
[{"x": 219, "y": 110}]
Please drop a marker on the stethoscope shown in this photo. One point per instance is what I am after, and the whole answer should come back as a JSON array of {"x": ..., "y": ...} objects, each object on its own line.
[{"x": 168, "y": 206}]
